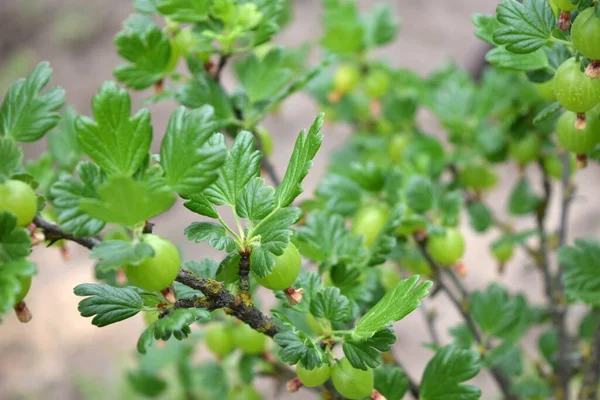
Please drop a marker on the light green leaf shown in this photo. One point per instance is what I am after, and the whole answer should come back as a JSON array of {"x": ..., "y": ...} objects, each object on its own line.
[
  {"x": 395, "y": 305},
  {"x": 11, "y": 157},
  {"x": 445, "y": 373},
  {"x": 380, "y": 26},
  {"x": 66, "y": 195},
  {"x": 366, "y": 354},
  {"x": 256, "y": 200},
  {"x": 107, "y": 304},
  {"x": 114, "y": 254},
  {"x": 125, "y": 201},
  {"x": 199, "y": 204},
  {"x": 191, "y": 152},
  {"x": 343, "y": 31},
  {"x": 115, "y": 141},
  {"x": 265, "y": 77},
  {"x": 184, "y": 10},
  {"x": 11, "y": 273},
  {"x": 214, "y": 234},
  {"x": 63, "y": 143},
  {"x": 305, "y": 149},
  {"x": 502, "y": 58},
  {"x": 391, "y": 382},
  {"x": 26, "y": 114},
  {"x": 581, "y": 278},
  {"x": 146, "y": 6},
  {"x": 14, "y": 241},
  {"x": 241, "y": 165},
  {"x": 526, "y": 27},
  {"x": 297, "y": 347},
  {"x": 486, "y": 26},
  {"x": 148, "y": 50}
]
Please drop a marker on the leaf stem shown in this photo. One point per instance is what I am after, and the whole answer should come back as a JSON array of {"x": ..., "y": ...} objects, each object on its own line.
[{"x": 238, "y": 240}]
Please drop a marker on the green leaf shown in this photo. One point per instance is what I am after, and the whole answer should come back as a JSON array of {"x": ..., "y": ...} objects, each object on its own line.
[
  {"x": 116, "y": 142},
  {"x": 532, "y": 387},
  {"x": 199, "y": 204},
  {"x": 305, "y": 149},
  {"x": 380, "y": 26},
  {"x": 125, "y": 201},
  {"x": 445, "y": 372},
  {"x": 214, "y": 234},
  {"x": 420, "y": 194},
  {"x": 146, "y": 6},
  {"x": 10, "y": 282},
  {"x": 14, "y": 241},
  {"x": 274, "y": 233},
  {"x": 191, "y": 152},
  {"x": 499, "y": 314},
  {"x": 526, "y": 27},
  {"x": 256, "y": 200},
  {"x": 241, "y": 165},
  {"x": 342, "y": 195},
  {"x": 480, "y": 216},
  {"x": 331, "y": 304},
  {"x": 263, "y": 77},
  {"x": 211, "y": 378},
  {"x": 450, "y": 206},
  {"x": 463, "y": 337},
  {"x": 114, "y": 254},
  {"x": 11, "y": 157},
  {"x": 507, "y": 357},
  {"x": 176, "y": 323},
  {"x": 26, "y": 114},
  {"x": 391, "y": 382},
  {"x": 386, "y": 239},
  {"x": 366, "y": 354},
  {"x": 147, "y": 49},
  {"x": 297, "y": 347},
  {"x": 66, "y": 195},
  {"x": 546, "y": 113},
  {"x": 63, "y": 143},
  {"x": 203, "y": 90},
  {"x": 580, "y": 278},
  {"x": 147, "y": 383},
  {"x": 395, "y": 305},
  {"x": 486, "y": 26},
  {"x": 325, "y": 239},
  {"x": 184, "y": 10},
  {"x": 501, "y": 57},
  {"x": 343, "y": 31},
  {"x": 107, "y": 304},
  {"x": 523, "y": 199}
]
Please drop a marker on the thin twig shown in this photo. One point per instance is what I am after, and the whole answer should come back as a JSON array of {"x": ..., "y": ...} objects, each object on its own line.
[
  {"x": 222, "y": 61},
  {"x": 269, "y": 168},
  {"x": 413, "y": 387},
  {"x": 553, "y": 288},
  {"x": 591, "y": 373},
  {"x": 216, "y": 296},
  {"x": 429, "y": 318},
  {"x": 501, "y": 379},
  {"x": 244, "y": 274}
]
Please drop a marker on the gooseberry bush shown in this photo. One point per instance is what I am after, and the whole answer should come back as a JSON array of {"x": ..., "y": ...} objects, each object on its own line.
[{"x": 340, "y": 267}]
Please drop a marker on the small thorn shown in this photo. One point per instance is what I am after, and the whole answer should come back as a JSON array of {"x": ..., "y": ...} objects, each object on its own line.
[{"x": 23, "y": 313}]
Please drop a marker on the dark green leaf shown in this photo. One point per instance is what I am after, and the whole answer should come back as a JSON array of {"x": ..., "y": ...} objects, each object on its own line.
[
  {"x": 211, "y": 378},
  {"x": 501, "y": 57},
  {"x": 117, "y": 142},
  {"x": 114, "y": 254},
  {"x": 463, "y": 337},
  {"x": 445, "y": 373},
  {"x": 11, "y": 273},
  {"x": 450, "y": 205},
  {"x": 203, "y": 90},
  {"x": 523, "y": 199},
  {"x": 380, "y": 26},
  {"x": 63, "y": 143},
  {"x": 548, "y": 345},
  {"x": 147, "y": 383},
  {"x": 331, "y": 304},
  {"x": 486, "y": 26},
  {"x": 480, "y": 216},
  {"x": 107, "y": 304},
  {"x": 263, "y": 77},
  {"x": 365, "y": 354},
  {"x": 66, "y": 194},
  {"x": 297, "y": 347},
  {"x": 14, "y": 241},
  {"x": 547, "y": 112},
  {"x": 184, "y": 10},
  {"x": 581, "y": 278},
  {"x": 26, "y": 114},
  {"x": 420, "y": 194},
  {"x": 391, "y": 382}
]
